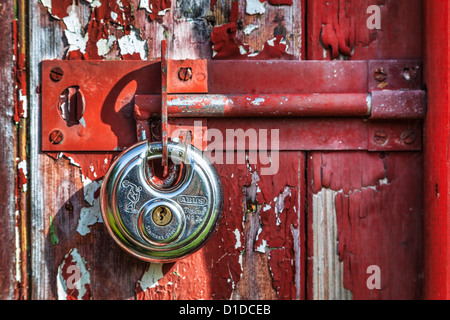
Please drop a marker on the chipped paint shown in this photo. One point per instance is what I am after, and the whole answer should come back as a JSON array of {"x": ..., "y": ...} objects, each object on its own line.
[
  {"x": 132, "y": 45},
  {"x": 22, "y": 175},
  {"x": 255, "y": 7},
  {"x": 257, "y": 101},
  {"x": 328, "y": 270},
  {"x": 92, "y": 214},
  {"x": 94, "y": 3},
  {"x": 88, "y": 217},
  {"x": 151, "y": 276},
  {"x": 104, "y": 46},
  {"x": 73, "y": 278},
  {"x": 297, "y": 260},
  {"x": 279, "y": 203},
  {"x": 155, "y": 8},
  {"x": 74, "y": 33},
  {"x": 237, "y": 234},
  {"x": 89, "y": 189},
  {"x": 249, "y": 29},
  {"x": 262, "y": 247}
]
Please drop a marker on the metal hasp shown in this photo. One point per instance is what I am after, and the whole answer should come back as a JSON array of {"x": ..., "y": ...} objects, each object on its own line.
[{"x": 365, "y": 105}]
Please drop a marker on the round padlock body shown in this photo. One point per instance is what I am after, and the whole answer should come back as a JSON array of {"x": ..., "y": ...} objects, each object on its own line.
[{"x": 160, "y": 224}]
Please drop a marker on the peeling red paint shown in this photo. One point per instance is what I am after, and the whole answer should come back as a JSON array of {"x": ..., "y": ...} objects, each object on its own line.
[
  {"x": 134, "y": 56},
  {"x": 275, "y": 51},
  {"x": 76, "y": 55},
  {"x": 378, "y": 210},
  {"x": 280, "y": 213},
  {"x": 224, "y": 39},
  {"x": 340, "y": 26},
  {"x": 20, "y": 77},
  {"x": 68, "y": 275},
  {"x": 22, "y": 179},
  {"x": 157, "y": 6},
  {"x": 93, "y": 166},
  {"x": 226, "y": 45},
  {"x": 110, "y": 13},
  {"x": 58, "y": 8},
  {"x": 190, "y": 275},
  {"x": 213, "y": 4}
]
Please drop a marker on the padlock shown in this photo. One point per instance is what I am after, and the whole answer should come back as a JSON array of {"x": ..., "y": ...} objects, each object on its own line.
[{"x": 159, "y": 222}]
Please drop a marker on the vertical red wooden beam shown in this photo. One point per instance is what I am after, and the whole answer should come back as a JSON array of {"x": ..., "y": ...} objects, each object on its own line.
[
  {"x": 436, "y": 144},
  {"x": 164, "y": 136}
]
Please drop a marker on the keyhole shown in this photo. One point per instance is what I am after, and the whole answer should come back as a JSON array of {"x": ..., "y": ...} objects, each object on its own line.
[
  {"x": 71, "y": 105},
  {"x": 162, "y": 216}
]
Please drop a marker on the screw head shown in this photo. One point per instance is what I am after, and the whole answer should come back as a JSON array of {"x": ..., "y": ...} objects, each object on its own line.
[
  {"x": 380, "y": 74},
  {"x": 56, "y": 136},
  {"x": 410, "y": 74},
  {"x": 56, "y": 74},
  {"x": 408, "y": 137},
  {"x": 380, "y": 137},
  {"x": 185, "y": 74}
]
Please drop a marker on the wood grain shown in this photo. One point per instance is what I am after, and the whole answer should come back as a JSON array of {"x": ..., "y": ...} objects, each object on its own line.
[
  {"x": 7, "y": 154},
  {"x": 64, "y": 188},
  {"x": 376, "y": 208},
  {"x": 348, "y": 37}
]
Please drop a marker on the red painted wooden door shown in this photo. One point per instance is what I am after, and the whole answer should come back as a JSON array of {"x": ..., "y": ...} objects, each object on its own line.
[{"x": 342, "y": 217}]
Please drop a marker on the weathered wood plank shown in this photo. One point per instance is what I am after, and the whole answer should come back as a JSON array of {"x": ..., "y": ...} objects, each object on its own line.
[
  {"x": 338, "y": 29},
  {"x": 258, "y": 250},
  {"x": 65, "y": 227},
  {"x": 366, "y": 211},
  {"x": 7, "y": 155}
]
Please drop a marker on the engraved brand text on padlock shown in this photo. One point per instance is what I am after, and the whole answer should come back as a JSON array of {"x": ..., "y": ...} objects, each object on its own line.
[{"x": 161, "y": 223}]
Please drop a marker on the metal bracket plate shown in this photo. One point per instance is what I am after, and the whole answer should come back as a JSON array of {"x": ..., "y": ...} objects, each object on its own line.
[{"x": 118, "y": 95}]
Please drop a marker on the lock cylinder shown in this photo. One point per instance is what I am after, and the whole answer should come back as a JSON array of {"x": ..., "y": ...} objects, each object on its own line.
[{"x": 159, "y": 224}]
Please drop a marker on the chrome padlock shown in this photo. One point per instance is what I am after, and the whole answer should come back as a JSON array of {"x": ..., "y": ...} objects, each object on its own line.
[{"x": 156, "y": 222}]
